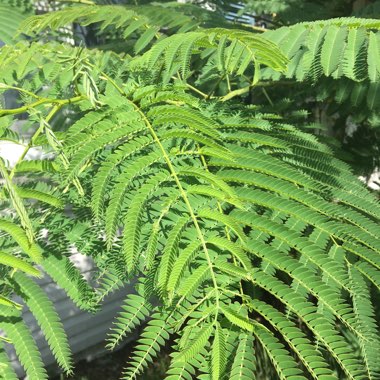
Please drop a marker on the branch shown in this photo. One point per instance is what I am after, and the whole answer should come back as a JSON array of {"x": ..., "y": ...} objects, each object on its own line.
[
  {"x": 59, "y": 102},
  {"x": 244, "y": 90}
]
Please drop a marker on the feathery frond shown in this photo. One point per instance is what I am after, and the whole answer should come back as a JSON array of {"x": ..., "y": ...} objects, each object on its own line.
[{"x": 247, "y": 239}]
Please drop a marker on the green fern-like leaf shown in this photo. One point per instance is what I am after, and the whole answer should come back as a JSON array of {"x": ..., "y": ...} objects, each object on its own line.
[
  {"x": 286, "y": 366},
  {"x": 218, "y": 359},
  {"x": 338, "y": 47},
  {"x": 70, "y": 279},
  {"x": 332, "y": 49},
  {"x": 255, "y": 249},
  {"x": 310, "y": 356},
  {"x": 148, "y": 346},
  {"x": 48, "y": 319},
  {"x": 25, "y": 346},
  {"x": 244, "y": 364},
  {"x": 17, "y": 263},
  {"x": 237, "y": 319},
  {"x": 40, "y": 196},
  {"x": 251, "y": 48},
  {"x": 373, "y": 57},
  {"x": 196, "y": 345},
  {"x": 17, "y": 202},
  {"x": 11, "y": 17},
  {"x": 6, "y": 370},
  {"x": 135, "y": 310},
  {"x": 19, "y": 235},
  {"x": 365, "y": 315}
]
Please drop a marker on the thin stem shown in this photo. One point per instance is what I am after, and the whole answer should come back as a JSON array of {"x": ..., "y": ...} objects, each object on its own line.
[
  {"x": 238, "y": 92},
  {"x": 3, "y": 85},
  {"x": 87, "y": 2},
  {"x": 6, "y": 340},
  {"x": 228, "y": 83},
  {"x": 243, "y": 296},
  {"x": 60, "y": 102},
  {"x": 197, "y": 91},
  {"x": 244, "y": 90},
  {"x": 204, "y": 163},
  {"x": 267, "y": 96}
]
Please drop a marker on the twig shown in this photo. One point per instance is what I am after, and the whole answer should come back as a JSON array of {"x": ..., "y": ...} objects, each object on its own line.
[{"x": 60, "y": 102}]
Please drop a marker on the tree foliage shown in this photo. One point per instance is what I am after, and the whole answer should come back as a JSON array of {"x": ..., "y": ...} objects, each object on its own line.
[{"x": 253, "y": 247}]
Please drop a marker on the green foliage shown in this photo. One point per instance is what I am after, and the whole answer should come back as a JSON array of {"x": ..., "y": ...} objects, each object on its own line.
[
  {"x": 292, "y": 11},
  {"x": 356, "y": 94},
  {"x": 248, "y": 240},
  {"x": 337, "y": 48},
  {"x": 42, "y": 308},
  {"x": 25, "y": 347},
  {"x": 12, "y": 14},
  {"x": 135, "y": 311},
  {"x": 142, "y": 24}
]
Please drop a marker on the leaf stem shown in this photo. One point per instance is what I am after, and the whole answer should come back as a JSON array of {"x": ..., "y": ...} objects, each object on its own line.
[
  {"x": 60, "y": 102},
  {"x": 244, "y": 90},
  {"x": 205, "y": 96},
  {"x": 3, "y": 85}
]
